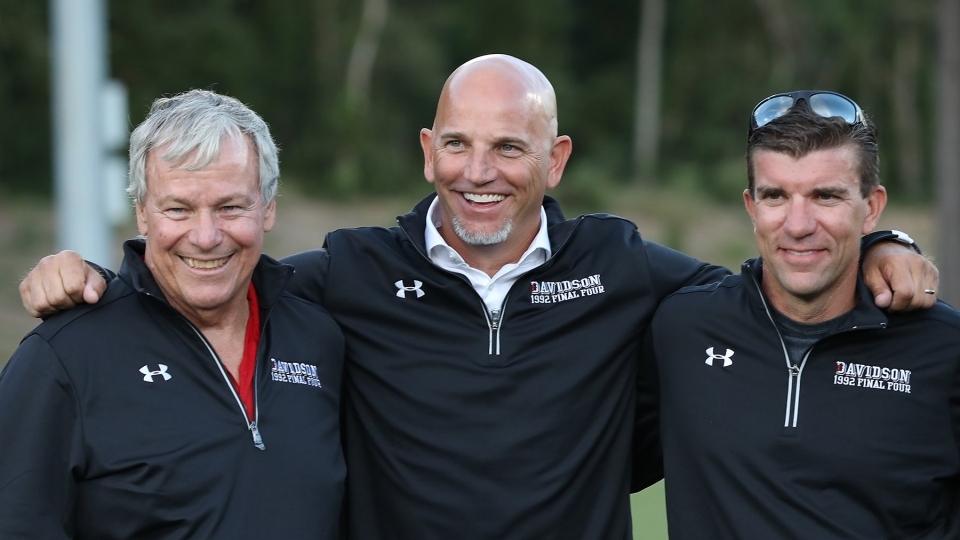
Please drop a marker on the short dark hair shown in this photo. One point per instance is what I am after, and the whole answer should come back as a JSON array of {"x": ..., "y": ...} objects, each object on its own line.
[{"x": 801, "y": 131}]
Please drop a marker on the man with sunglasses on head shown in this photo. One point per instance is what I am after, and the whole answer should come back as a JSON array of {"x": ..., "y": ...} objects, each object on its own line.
[
  {"x": 790, "y": 406},
  {"x": 492, "y": 343}
]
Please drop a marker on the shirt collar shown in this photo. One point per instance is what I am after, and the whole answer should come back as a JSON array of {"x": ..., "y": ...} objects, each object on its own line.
[{"x": 434, "y": 240}]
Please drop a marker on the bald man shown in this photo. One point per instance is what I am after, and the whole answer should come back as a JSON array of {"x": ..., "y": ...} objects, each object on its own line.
[{"x": 491, "y": 344}]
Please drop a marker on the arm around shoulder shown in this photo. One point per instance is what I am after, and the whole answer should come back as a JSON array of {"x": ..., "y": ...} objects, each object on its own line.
[
  {"x": 60, "y": 282},
  {"x": 671, "y": 270},
  {"x": 310, "y": 274}
]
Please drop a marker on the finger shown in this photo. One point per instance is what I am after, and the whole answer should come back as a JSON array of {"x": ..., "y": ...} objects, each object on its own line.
[
  {"x": 932, "y": 277},
  {"x": 916, "y": 289},
  {"x": 905, "y": 299},
  {"x": 72, "y": 273},
  {"x": 94, "y": 287},
  {"x": 882, "y": 294},
  {"x": 34, "y": 289},
  {"x": 921, "y": 291},
  {"x": 909, "y": 284},
  {"x": 53, "y": 285},
  {"x": 39, "y": 303},
  {"x": 26, "y": 297},
  {"x": 883, "y": 299}
]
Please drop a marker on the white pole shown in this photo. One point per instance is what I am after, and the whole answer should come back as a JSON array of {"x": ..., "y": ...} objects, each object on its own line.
[{"x": 78, "y": 46}]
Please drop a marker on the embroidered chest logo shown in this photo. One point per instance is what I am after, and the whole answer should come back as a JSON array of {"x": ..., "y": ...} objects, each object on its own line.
[
  {"x": 881, "y": 378},
  {"x": 294, "y": 373},
  {"x": 403, "y": 289},
  {"x": 554, "y": 292},
  {"x": 727, "y": 358},
  {"x": 149, "y": 374}
]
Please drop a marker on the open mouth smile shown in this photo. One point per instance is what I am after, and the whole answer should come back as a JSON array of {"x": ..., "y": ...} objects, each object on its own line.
[
  {"x": 483, "y": 198},
  {"x": 205, "y": 265}
]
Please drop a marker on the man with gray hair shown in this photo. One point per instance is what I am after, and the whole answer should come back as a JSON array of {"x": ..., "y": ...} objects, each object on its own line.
[
  {"x": 197, "y": 399},
  {"x": 492, "y": 343}
]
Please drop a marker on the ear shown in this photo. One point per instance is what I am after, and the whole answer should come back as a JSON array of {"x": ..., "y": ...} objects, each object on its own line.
[
  {"x": 559, "y": 154},
  {"x": 141, "y": 219},
  {"x": 876, "y": 202},
  {"x": 751, "y": 207},
  {"x": 426, "y": 142},
  {"x": 270, "y": 218}
]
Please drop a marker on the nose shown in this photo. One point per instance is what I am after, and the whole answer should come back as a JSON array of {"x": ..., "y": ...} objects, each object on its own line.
[
  {"x": 206, "y": 233},
  {"x": 799, "y": 220},
  {"x": 480, "y": 169}
]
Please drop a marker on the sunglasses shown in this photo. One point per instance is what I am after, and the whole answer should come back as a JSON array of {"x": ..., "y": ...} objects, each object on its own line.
[{"x": 823, "y": 103}]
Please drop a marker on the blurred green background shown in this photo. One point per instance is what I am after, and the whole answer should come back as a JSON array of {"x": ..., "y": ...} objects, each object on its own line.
[
  {"x": 346, "y": 86},
  {"x": 347, "y": 123}
]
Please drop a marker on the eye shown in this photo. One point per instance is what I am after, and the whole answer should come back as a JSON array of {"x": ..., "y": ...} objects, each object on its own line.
[
  {"x": 508, "y": 148},
  {"x": 454, "y": 143}
]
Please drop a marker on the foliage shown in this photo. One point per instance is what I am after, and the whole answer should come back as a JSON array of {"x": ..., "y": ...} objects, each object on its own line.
[{"x": 288, "y": 61}]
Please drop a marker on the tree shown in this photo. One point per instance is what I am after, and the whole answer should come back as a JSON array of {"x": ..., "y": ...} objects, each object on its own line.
[
  {"x": 357, "y": 92},
  {"x": 646, "y": 129},
  {"x": 947, "y": 149}
]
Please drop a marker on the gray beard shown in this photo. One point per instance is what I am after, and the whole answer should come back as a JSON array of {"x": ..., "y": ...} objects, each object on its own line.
[{"x": 479, "y": 238}]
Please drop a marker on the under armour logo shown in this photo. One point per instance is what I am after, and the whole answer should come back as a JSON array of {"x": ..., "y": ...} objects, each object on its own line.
[
  {"x": 402, "y": 293},
  {"x": 726, "y": 357},
  {"x": 149, "y": 375}
]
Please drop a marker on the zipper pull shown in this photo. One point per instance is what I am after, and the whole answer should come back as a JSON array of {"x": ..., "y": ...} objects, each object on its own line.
[
  {"x": 794, "y": 370},
  {"x": 494, "y": 319},
  {"x": 257, "y": 441}
]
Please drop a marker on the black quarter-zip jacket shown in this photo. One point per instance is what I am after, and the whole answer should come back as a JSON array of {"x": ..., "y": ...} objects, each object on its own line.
[
  {"x": 119, "y": 422},
  {"x": 859, "y": 440},
  {"x": 462, "y": 425}
]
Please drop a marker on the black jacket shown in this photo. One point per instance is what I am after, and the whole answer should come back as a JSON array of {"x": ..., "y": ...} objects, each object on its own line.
[
  {"x": 861, "y": 440},
  {"x": 118, "y": 422},
  {"x": 457, "y": 425}
]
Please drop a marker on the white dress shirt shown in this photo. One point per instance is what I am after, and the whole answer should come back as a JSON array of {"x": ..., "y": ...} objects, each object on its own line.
[{"x": 494, "y": 289}]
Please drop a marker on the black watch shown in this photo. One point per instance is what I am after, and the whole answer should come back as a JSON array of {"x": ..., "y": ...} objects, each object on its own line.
[{"x": 892, "y": 235}]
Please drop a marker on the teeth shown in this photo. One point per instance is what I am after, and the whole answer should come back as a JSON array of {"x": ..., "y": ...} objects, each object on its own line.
[
  {"x": 205, "y": 265},
  {"x": 483, "y": 198},
  {"x": 794, "y": 252}
]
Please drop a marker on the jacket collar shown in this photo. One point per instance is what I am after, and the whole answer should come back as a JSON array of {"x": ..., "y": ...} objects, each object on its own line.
[
  {"x": 269, "y": 276},
  {"x": 863, "y": 315},
  {"x": 414, "y": 223}
]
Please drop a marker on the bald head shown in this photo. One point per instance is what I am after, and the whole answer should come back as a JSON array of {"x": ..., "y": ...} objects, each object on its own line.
[
  {"x": 504, "y": 77},
  {"x": 492, "y": 154}
]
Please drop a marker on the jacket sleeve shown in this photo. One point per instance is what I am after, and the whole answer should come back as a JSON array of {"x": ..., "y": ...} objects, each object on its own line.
[
  {"x": 671, "y": 270},
  {"x": 42, "y": 445},
  {"x": 310, "y": 274},
  {"x": 955, "y": 411},
  {"x": 647, "y": 453}
]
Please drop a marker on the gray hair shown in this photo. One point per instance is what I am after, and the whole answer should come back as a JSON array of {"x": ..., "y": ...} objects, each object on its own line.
[{"x": 191, "y": 127}]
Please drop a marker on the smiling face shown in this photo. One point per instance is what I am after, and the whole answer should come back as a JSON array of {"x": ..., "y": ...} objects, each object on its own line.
[
  {"x": 491, "y": 155},
  {"x": 204, "y": 230},
  {"x": 808, "y": 216}
]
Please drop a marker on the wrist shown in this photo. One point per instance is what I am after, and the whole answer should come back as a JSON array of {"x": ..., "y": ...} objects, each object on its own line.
[{"x": 892, "y": 235}]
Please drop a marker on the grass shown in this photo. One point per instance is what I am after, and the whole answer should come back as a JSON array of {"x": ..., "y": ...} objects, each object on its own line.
[{"x": 649, "y": 514}]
